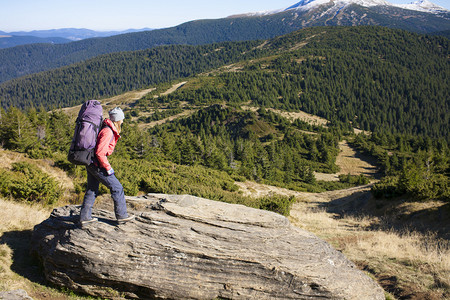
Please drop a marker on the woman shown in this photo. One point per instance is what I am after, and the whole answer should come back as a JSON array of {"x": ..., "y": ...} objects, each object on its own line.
[{"x": 101, "y": 171}]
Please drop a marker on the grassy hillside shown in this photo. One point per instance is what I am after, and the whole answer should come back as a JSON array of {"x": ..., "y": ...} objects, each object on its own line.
[
  {"x": 238, "y": 118},
  {"x": 29, "y": 59},
  {"x": 365, "y": 77},
  {"x": 372, "y": 77}
]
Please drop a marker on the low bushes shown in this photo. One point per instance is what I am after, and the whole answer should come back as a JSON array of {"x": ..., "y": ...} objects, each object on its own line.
[{"x": 26, "y": 182}]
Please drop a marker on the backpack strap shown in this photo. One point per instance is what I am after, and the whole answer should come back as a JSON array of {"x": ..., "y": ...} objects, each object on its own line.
[
  {"x": 106, "y": 125},
  {"x": 78, "y": 121}
]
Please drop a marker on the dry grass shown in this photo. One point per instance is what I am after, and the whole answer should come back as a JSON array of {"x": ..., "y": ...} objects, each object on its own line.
[
  {"x": 21, "y": 216},
  {"x": 408, "y": 264},
  {"x": 18, "y": 219},
  {"x": 124, "y": 99},
  {"x": 354, "y": 163},
  {"x": 292, "y": 116},
  {"x": 350, "y": 162},
  {"x": 258, "y": 190}
]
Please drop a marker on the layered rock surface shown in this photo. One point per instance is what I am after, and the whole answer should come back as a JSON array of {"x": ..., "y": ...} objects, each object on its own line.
[{"x": 185, "y": 247}]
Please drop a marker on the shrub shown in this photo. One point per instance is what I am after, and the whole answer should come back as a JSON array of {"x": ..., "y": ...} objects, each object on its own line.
[
  {"x": 27, "y": 182},
  {"x": 436, "y": 186},
  {"x": 354, "y": 179},
  {"x": 169, "y": 178},
  {"x": 387, "y": 187},
  {"x": 278, "y": 204}
]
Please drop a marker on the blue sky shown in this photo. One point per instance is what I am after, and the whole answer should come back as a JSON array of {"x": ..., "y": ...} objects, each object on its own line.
[{"x": 30, "y": 15}]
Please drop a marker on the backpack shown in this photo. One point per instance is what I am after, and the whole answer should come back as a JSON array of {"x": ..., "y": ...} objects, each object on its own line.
[{"x": 87, "y": 127}]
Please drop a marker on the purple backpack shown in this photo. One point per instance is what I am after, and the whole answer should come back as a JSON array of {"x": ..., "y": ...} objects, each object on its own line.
[{"x": 84, "y": 139}]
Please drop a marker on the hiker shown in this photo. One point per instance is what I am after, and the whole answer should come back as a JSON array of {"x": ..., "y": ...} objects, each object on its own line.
[{"x": 100, "y": 170}]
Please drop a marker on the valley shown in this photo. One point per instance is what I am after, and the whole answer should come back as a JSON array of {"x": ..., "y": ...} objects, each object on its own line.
[
  {"x": 416, "y": 17},
  {"x": 333, "y": 127}
]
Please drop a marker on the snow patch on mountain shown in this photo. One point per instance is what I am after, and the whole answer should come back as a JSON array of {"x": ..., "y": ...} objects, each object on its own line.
[
  {"x": 419, "y": 5},
  {"x": 422, "y": 5}
]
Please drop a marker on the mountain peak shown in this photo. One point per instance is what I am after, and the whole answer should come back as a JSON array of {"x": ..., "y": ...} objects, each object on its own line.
[
  {"x": 423, "y": 5},
  {"x": 418, "y": 5}
]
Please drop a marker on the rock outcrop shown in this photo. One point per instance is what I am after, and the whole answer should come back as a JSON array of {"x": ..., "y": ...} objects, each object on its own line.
[
  {"x": 185, "y": 247},
  {"x": 15, "y": 295}
]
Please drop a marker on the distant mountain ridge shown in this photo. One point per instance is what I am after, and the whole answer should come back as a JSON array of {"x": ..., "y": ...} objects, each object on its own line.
[
  {"x": 55, "y": 36},
  {"x": 28, "y": 59},
  {"x": 7, "y": 41},
  {"x": 71, "y": 34}
]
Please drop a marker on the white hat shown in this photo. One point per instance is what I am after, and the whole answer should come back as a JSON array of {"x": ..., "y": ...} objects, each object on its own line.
[{"x": 116, "y": 114}]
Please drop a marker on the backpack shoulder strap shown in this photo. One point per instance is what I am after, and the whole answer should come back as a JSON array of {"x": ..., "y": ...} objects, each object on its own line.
[
  {"x": 96, "y": 127},
  {"x": 106, "y": 125}
]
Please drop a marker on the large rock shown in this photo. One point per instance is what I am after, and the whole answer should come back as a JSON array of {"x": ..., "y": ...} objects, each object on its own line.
[
  {"x": 185, "y": 247},
  {"x": 15, "y": 295}
]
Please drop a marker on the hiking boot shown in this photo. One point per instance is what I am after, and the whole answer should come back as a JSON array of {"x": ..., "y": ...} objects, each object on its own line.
[
  {"x": 124, "y": 220},
  {"x": 88, "y": 221}
]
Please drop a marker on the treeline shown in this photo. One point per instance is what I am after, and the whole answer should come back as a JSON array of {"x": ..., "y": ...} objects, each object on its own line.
[
  {"x": 258, "y": 146},
  {"x": 140, "y": 161},
  {"x": 114, "y": 74},
  {"x": 371, "y": 77},
  {"x": 362, "y": 91},
  {"x": 29, "y": 59}
]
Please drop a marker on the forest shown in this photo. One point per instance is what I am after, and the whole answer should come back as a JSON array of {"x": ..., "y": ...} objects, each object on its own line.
[
  {"x": 371, "y": 77},
  {"x": 354, "y": 77},
  {"x": 29, "y": 59},
  {"x": 220, "y": 121}
]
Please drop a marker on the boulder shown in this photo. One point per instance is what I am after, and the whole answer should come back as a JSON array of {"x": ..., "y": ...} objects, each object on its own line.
[
  {"x": 185, "y": 247},
  {"x": 15, "y": 295}
]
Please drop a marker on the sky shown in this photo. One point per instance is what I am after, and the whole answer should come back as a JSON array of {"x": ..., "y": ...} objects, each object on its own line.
[{"x": 104, "y": 15}]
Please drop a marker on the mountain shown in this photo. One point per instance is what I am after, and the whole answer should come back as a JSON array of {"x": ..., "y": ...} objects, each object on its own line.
[
  {"x": 8, "y": 41},
  {"x": 419, "y": 5},
  {"x": 424, "y": 5},
  {"x": 372, "y": 77},
  {"x": 71, "y": 34},
  {"x": 55, "y": 36},
  {"x": 29, "y": 59},
  {"x": 421, "y": 16}
]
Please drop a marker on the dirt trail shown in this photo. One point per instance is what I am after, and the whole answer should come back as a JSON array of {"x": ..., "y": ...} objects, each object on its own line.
[
  {"x": 112, "y": 102},
  {"x": 308, "y": 118},
  {"x": 168, "y": 119},
  {"x": 174, "y": 88},
  {"x": 350, "y": 162}
]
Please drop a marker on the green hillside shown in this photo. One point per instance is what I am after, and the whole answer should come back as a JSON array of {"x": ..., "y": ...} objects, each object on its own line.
[
  {"x": 220, "y": 120},
  {"x": 28, "y": 59},
  {"x": 370, "y": 77}
]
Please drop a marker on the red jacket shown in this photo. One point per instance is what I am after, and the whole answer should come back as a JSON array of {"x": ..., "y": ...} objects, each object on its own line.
[{"x": 106, "y": 142}]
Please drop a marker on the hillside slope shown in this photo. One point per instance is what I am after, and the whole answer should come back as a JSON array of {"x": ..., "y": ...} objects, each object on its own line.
[
  {"x": 372, "y": 77},
  {"x": 28, "y": 59}
]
